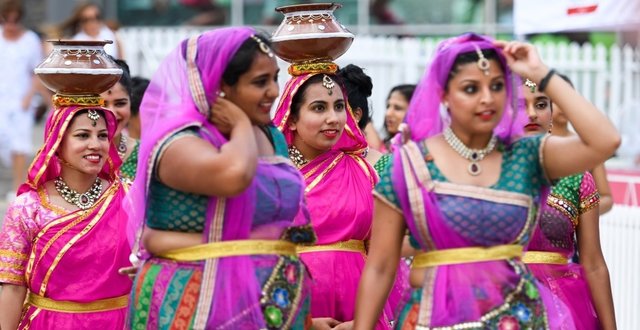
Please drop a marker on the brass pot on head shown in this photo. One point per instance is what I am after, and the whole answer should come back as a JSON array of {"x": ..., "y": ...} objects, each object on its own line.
[
  {"x": 78, "y": 68},
  {"x": 310, "y": 33}
]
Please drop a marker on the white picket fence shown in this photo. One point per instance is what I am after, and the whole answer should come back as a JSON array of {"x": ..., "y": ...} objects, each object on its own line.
[
  {"x": 619, "y": 236},
  {"x": 610, "y": 78}
]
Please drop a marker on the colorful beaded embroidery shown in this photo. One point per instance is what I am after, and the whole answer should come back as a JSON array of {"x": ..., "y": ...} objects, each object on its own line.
[{"x": 282, "y": 293}]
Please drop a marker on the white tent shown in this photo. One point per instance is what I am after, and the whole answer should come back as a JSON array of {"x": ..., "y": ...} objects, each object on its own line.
[{"x": 540, "y": 16}]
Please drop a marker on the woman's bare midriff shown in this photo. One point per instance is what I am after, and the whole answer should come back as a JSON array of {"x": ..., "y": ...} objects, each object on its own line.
[
  {"x": 416, "y": 277},
  {"x": 161, "y": 241}
]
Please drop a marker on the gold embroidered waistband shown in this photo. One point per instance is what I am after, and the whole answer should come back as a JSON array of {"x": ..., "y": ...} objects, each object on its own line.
[
  {"x": 230, "y": 249},
  {"x": 540, "y": 257},
  {"x": 466, "y": 255},
  {"x": 347, "y": 246},
  {"x": 77, "y": 307}
]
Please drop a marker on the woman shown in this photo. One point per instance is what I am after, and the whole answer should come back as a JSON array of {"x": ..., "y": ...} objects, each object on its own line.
[
  {"x": 139, "y": 86},
  {"x": 359, "y": 87},
  {"x": 570, "y": 212},
  {"x": 214, "y": 171},
  {"x": 21, "y": 53},
  {"x": 118, "y": 100},
  {"x": 466, "y": 186},
  {"x": 68, "y": 213},
  {"x": 397, "y": 105},
  {"x": 86, "y": 23},
  {"x": 327, "y": 146},
  {"x": 560, "y": 127}
]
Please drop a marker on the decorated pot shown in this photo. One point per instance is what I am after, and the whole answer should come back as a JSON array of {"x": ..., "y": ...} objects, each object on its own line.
[
  {"x": 310, "y": 33},
  {"x": 78, "y": 67}
]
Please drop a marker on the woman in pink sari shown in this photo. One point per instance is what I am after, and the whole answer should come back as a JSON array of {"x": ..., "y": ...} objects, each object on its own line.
[
  {"x": 327, "y": 146},
  {"x": 63, "y": 237}
]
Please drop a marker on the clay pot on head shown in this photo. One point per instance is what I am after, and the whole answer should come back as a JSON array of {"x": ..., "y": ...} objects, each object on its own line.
[
  {"x": 78, "y": 67},
  {"x": 310, "y": 33}
]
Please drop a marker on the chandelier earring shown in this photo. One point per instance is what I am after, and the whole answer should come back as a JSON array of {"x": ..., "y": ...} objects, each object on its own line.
[{"x": 550, "y": 127}]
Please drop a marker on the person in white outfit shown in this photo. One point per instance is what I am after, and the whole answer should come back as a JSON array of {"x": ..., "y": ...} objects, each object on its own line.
[
  {"x": 86, "y": 24},
  {"x": 20, "y": 53}
]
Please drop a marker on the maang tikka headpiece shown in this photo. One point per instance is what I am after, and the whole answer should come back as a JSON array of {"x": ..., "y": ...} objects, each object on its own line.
[
  {"x": 262, "y": 45},
  {"x": 483, "y": 63},
  {"x": 93, "y": 116},
  {"x": 328, "y": 83},
  {"x": 532, "y": 86}
]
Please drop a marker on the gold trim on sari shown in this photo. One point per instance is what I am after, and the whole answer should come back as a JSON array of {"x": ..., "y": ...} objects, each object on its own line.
[
  {"x": 466, "y": 255},
  {"x": 543, "y": 257},
  {"x": 65, "y": 306},
  {"x": 352, "y": 245},
  {"x": 222, "y": 249}
]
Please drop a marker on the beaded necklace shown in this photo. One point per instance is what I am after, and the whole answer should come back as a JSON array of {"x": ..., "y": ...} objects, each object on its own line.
[{"x": 472, "y": 155}]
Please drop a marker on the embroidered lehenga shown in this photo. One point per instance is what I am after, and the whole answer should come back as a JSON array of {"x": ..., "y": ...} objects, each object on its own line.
[
  {"x": 68, "y": 260},
  {"x": 553, "y": 245},
  {"x": 248, "y": 275}
]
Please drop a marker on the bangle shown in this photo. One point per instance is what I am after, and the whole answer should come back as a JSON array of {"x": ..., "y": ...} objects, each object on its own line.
[{"x": 545, "y": 81}]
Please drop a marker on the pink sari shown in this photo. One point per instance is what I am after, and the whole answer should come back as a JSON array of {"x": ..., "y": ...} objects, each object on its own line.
[
  {"x": 339, "y": 197},
  {"x": 68, "y": 260}
]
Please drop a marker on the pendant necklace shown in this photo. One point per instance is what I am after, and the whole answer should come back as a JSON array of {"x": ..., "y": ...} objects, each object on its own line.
[
  {"x": 472, "y": 155},
  {"x": 82, "y": 201}
]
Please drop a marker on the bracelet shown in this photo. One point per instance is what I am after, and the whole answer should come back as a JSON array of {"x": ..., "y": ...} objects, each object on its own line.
[{"x": 545, "y": 81}]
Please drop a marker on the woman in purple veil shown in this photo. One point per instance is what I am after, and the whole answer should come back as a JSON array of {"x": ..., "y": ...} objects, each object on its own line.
[
  {"x": 467, "y": 184},
  {"x": 217, "y": 194}
]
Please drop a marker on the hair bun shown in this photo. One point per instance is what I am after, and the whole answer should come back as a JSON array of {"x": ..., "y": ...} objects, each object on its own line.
[{"x": 354, "y": 77}]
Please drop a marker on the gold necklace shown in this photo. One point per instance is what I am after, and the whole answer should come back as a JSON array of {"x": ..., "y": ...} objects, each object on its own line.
[
  {"x": 472, "y": 155},
  {"x": 296, "y": 157},
  {"x": 82, "y": 201}
]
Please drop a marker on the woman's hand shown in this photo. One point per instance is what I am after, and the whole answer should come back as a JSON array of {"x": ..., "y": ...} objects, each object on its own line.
[
  {"x": 523, "y": 59},
  {"x": 344, "y": 326},
  {"x": 129, "y": 271},
  {"x": 225, "y": 115},
  {"x": 323, "y": 323}
]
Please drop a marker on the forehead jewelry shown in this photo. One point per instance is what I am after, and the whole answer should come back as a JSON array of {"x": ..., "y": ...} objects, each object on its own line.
[
  {"x": 263, "y": 46},
  {"x": 483, "y": 63},
  {"x": 532, "y": 86},
  {"x": 94, "y": 116},
  {"x": 328, "y": 83}
]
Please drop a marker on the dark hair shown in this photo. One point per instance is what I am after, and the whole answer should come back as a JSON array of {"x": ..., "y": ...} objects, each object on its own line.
[
  {"x": 565, "y": 78},
  {"x": 296, "y": 101},
  {"x": 125, "y": 78},
  {"x": 243, "y": 58},
  {"x": 11, "y": 6},
  {"x": 358, "y": 86},
  {"x": 406, "y": 90},
  {"x": 471, "y": 57},
  {"x": 139, "y": 86}
]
